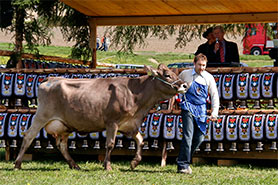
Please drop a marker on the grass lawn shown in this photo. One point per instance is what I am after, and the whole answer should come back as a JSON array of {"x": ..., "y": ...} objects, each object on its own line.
[
  {"x": 114, "y": 57},
  {"x": 57, "y": 172},
  {"x": 54, "y": 170}
]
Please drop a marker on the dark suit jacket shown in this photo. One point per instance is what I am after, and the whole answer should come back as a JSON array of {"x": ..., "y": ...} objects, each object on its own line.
[
  {"x": 203, "y": 48},
  {"x": 230, "y": 56}
]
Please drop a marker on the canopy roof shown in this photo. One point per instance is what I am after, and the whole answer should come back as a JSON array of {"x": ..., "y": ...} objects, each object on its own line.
[{"x": 151, "y": 12}]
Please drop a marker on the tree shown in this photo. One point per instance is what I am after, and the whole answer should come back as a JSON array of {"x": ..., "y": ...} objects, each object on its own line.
[
  {"x": 28, "y": 26},
  {"x": 127, "y": 37},
  {"x": 32, "y": 21}
]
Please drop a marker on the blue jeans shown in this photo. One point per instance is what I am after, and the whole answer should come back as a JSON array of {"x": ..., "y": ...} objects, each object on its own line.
[{"x": 192, "y": 138}]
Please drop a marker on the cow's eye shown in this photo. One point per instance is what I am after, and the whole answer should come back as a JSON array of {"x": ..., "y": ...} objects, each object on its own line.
[{"x": 167, "y": 76}]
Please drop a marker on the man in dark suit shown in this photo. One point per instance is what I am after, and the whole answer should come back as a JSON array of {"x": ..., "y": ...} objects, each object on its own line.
[
  {"x": 204, "y": 48},
  {"x": 223, "y": 51}
]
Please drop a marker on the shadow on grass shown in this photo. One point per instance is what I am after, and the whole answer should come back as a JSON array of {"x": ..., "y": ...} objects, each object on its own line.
[
  {"x": 29, "y": 169},
  {"x": 51, "y": 169},
  {"x": 147, "y": 171}
]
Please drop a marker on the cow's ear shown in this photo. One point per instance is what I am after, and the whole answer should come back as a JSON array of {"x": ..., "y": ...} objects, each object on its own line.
[
  {"x": 150, "y": 71},
  {"x": 162, "y": 66}
]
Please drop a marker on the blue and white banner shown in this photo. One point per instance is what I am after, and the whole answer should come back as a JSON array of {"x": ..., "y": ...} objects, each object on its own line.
[
  {"x": 13, "y": 125},
  {"x": 179, "y": 132},
  {"x": 271, "y": 127},
  {"x": 144, "y": 128},
  {"x": 208, "y": 131},
  {"x": 228, "y": 86},
  {"x": 232, "y": 127},
  {"x": 244, "y": 127},
  {"x": 30, "y": 85},
  {"x": 7, "y": 85},
  {"x": 218, "y": 128},
  {"x": 155, "y": 124},
  {"x": 24, "y": 124},
  {"x": 218, "y": 81},
  {"x": 3, "y": 117},
  {"x": 169, "y": 128},
  {"x": 19, "y": 85},
  {"x": 267, "y": 85},
  {"x": 242, "y": 85},
  {"x": 255, "y": 86},
  {"x": 257, "y": 127}
]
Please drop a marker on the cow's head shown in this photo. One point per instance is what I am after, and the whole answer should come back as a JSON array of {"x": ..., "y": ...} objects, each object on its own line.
[{"x": 168, "y": 78}]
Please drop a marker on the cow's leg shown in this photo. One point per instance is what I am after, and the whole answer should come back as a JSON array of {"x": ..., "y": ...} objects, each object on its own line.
[
  {"x": 61, "y": 133},
  {"x": 138, "y": 156},
  {"x": 30, "y": 135},
  {"x": 110, "y": 142},
  {"x": 62, "y": 145}
]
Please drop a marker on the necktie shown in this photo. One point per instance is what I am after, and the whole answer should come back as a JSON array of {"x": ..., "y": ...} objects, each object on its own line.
[{"x": 221, "y": 50}]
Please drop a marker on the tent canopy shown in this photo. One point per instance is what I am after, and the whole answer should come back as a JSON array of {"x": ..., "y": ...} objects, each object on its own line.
[{"x": 152, "y": 12}]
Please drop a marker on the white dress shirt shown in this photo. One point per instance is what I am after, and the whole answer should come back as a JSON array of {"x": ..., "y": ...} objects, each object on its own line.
[{"x": 204, "y": 78}]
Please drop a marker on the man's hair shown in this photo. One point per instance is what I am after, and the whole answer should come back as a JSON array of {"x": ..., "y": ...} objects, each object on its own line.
[
  {"x": 200, "y": 57},
  {"x": 220, "y": 28}
]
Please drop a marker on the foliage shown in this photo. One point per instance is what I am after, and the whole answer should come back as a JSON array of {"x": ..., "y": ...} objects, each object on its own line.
[
  {"x": 6, "y": 13},
  {"x": 34, "y": 29},
  {"x": 126, "y": 37}
]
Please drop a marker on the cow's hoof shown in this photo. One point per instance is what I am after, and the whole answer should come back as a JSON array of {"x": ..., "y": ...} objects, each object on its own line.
[
  {"x": 76, "y": 167},
  {"x": 133, "y": 164},
  {"x": 16, "y": 169},
  {"x": 108, "y": 168},
  {"x": 17, "y": 166}
]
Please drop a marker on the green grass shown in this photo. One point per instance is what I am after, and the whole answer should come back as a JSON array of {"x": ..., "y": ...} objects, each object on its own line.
[
  {"x": 58, "y": 172},
  {"x": 54, "y": 170},
  {"x": 114, "y": 57}
]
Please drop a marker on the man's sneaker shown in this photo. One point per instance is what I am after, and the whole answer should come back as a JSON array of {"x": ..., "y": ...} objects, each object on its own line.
[{"x": 186, "y": 171}]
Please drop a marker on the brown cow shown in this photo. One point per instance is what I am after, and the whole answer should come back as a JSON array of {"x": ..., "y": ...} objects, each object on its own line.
[{"x": 90, "y": 105}]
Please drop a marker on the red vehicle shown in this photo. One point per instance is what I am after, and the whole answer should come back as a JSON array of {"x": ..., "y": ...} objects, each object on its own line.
[{"x": 256, "y": 41}]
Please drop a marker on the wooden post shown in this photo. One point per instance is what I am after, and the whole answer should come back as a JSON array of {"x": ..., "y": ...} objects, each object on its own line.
[
  {"x": 7, "y": 151},
  {"x": 93, "y": 41}
]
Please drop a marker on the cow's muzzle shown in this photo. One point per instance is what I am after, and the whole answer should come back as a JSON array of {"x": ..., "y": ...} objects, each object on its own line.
[{"x": 183, "y": 88}]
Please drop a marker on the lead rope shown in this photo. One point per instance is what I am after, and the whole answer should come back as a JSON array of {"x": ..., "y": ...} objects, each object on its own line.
[{"x": 171, "y": 84}]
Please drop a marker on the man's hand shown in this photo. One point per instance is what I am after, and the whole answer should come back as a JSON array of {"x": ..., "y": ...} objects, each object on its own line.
[
  {"x": 212, "y": 118},
  {"x": 216, "y": 47}
]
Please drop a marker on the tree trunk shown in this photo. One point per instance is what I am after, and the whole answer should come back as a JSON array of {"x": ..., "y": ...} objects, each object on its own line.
[{"x": 19, "y": 27}]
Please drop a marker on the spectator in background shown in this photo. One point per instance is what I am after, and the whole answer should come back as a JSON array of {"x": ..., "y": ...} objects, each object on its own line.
[
  {"x": 107, "y": 43},
  {"x": 98, "y": 41},
  {"x": 103, "y": 44},
  {"x": 205, "y": 47},
  {"x": 222, "y": 51}
]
